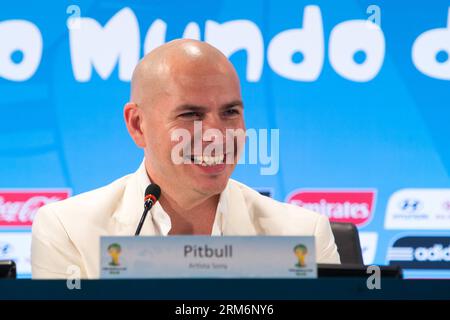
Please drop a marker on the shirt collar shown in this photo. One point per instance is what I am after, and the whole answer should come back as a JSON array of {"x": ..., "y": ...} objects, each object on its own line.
[{"x": 162, "y": 220}]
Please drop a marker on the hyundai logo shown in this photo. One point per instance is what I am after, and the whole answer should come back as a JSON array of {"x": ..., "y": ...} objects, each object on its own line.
[
  {"x": 410, "y": 205},
  {"x": 5, "y": 248}
]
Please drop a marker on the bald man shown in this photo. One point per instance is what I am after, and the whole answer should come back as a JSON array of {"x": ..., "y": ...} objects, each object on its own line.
[{"x": 175, "y": 86}]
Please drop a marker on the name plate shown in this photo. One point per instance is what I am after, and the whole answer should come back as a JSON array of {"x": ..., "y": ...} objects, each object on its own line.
[{"x": 207, "y": 257}]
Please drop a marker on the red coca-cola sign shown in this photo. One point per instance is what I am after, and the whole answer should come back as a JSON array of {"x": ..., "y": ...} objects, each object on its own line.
[
  {"x": 18, "y": 207},
  {"x": 354, "y": 206}
]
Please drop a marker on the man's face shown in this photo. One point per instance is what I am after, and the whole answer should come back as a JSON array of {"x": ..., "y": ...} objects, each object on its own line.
[{"x": 199, "y": 96}]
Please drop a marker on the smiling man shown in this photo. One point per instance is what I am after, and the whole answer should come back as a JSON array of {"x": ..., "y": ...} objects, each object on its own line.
[{"x": 174, "y": 88}]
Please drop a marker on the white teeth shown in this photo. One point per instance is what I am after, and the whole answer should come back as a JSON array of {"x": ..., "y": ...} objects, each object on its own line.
[
  {"x": 198, "y": 159},
  {"x": 208, "y": 160},
  {"x": 218, "y": 159}
]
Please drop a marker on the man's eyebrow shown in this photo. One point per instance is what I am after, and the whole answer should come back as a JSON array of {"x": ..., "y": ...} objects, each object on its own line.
[
  {"x": 189, "y": 107},
  {"x": 198, "y": 108}
]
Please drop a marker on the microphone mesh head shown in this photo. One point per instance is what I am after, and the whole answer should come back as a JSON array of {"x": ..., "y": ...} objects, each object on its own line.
[{"x": 154, "y": 190}]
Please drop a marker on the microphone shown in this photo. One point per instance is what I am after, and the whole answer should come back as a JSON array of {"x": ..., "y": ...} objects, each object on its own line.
[{"x": 152, "y": 194}]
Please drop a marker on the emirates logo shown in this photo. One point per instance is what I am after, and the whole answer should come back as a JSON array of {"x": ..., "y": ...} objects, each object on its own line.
[{"x": 355, "y": 206}]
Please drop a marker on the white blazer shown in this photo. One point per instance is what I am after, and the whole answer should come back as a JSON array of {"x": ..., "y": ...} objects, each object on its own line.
[{"x": 67, "y": 233}]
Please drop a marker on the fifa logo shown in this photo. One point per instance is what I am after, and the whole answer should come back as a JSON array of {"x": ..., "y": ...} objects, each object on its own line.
[
  {"x": 114, "y": 251},
  {"x": 300, "y": 252}
]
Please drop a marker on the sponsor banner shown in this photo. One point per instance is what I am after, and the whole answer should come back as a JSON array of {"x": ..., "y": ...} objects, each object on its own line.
[
  {"x": 427, "y": 209},
  {"x": 350, "y": 206},
  {"x": 18, "y": 207},
  {"x": 420, "y": 252},
  {"x": 16, "y": 246},
  {"x": 368, "y": 241}
]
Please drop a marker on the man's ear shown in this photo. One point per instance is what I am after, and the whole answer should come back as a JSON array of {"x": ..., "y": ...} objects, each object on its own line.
[{"x": 134, "y": 121}]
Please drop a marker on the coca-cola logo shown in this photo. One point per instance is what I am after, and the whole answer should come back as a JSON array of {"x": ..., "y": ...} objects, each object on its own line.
[
  {"x": 340, "y": 206},
  {"x": 18, "y": 208}
]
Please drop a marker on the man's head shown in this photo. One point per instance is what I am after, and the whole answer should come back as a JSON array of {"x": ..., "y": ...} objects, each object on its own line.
[{"x": 173, "y": 86}]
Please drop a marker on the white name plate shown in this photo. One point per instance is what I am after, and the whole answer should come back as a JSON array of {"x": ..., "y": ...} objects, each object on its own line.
[{"x": 207, "y": 257}]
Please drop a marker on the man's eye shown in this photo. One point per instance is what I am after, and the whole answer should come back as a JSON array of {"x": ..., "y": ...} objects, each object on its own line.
[
  {"x": 191, "y": 114},
  {"x": 232, "y": 112}
]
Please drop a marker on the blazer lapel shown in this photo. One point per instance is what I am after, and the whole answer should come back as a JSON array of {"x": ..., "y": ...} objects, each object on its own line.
[
  {"x": 237, "y": 219},
  {"x": 129, "y": 211}
]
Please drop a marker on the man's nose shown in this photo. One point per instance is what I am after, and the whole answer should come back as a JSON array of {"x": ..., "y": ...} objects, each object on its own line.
[{"x": 213, "y": 128}]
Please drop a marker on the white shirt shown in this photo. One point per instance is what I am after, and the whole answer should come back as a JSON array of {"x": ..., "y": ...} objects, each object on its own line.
[{"x": 161, "y": 218}]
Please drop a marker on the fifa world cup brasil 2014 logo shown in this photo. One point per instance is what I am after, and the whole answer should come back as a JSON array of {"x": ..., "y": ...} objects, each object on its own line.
[
  {"x": 114, "y": 251},
  {"x": 301, "y": 252}
]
